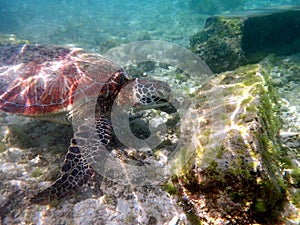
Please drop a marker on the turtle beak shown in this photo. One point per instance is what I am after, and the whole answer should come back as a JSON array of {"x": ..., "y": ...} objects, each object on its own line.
[
  {"x": 166, "y": 107},
  {"x": 161, "y": 104}
]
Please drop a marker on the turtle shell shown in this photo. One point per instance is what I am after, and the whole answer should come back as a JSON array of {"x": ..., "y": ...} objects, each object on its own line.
[{"x": 37, "y": 79}]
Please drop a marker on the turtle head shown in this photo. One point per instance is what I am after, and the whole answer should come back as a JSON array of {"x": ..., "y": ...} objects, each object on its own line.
[
  {"x": 146, "y": 93},
  {"x": 151, "y": 93}
]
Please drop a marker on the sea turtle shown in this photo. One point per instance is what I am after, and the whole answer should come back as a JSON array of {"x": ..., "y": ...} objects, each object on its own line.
[{"x": 43, "y": 82}]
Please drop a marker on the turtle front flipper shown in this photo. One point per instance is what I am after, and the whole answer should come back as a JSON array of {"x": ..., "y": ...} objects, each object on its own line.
[{"x": 75, "y": 172}]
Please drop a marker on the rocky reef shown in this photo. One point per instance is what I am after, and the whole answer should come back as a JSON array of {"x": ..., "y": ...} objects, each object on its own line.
[
  {"x": 227, "y": 42},
  {"x": 243, "y": 184}
]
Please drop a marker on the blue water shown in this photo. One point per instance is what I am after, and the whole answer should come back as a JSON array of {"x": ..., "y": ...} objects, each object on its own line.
[{"x": 102, "y": 24}]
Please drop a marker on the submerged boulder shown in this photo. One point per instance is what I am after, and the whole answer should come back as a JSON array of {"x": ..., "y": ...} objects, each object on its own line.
[
  {"x": 242, "y": 183},
  {"x": 231, "y": 41}
]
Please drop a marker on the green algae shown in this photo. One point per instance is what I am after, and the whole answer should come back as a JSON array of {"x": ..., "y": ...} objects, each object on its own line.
[
  {"x": 170, "y": 188},
  {"x": 110, "y": 199},
  {"x": 193, "y": 219},
  {"x": 260, "y": 205},
  {"x": 296, "y": 176},
  {"x": 295, "y": 198},
  {"x": 54, "y": 203},
  {"x": 36, "y": 173},
  {"x": 3, "y": 147},
  {"x": 229, "y": 26}
]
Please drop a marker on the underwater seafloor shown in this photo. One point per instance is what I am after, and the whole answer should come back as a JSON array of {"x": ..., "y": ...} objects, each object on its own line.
[{"x": 98, "y": 26}]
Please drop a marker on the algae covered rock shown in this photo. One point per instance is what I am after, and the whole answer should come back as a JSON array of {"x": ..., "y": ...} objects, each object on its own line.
[
  {"x": 219, "y": 44},
  {"x": 231, "y": 41},
  {"x": 242, "y": 183}
]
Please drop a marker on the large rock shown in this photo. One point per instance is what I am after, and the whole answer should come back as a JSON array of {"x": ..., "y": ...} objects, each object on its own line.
[
  {"x": 230, "y": 41},
  {"x": 242, "y": 182}
]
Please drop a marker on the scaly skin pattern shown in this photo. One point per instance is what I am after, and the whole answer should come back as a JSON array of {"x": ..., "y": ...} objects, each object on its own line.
[{"x": 42, "y": 81}]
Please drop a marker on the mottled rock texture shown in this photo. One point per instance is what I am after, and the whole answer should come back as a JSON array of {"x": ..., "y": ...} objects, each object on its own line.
[
  {"x": 230, "y": 41},
  {"x": 243, "y": 183}
]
